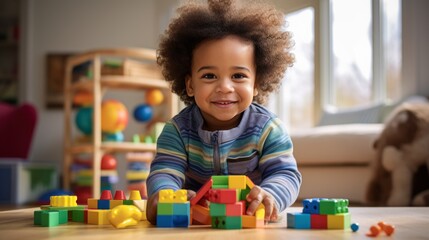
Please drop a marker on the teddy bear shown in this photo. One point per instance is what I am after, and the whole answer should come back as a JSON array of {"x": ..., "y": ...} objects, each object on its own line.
[{"x": 400, "y": 174}]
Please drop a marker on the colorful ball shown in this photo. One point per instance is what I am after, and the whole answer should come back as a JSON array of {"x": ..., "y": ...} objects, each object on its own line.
[
  {"x": 143, "y": 113},
  {"x": 108, "y": 162},
  {"x": 83, "y": 120},
  {"x": 154, "y": 97},
  {"x": 114, "y": 116}
]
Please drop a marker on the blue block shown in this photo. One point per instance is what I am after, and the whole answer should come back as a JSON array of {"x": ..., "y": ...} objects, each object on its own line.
[
  {"x": 181, "y": 208},
  {"x": 181, "y": 220},
  {"x": 299, "y": 220},
  {"x": 165, "y": 221},
  {"x": 311, "y": 206},
  {"x": 103, "y": 204}
]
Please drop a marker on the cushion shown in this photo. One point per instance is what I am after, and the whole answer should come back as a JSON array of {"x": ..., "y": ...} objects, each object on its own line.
[{"x": 347, "y": 144}]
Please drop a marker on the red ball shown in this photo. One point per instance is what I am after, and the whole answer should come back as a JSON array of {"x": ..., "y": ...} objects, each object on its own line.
[{"x": 108, "y": 162}]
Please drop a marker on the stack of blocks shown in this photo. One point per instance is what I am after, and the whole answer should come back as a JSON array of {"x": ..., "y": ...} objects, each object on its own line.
[
  {"x": 173, "y": 209},
  {"x": 57, "y": 212},
  {"x": 227, "y": 196},
  {"x": 321, "y": 213}
]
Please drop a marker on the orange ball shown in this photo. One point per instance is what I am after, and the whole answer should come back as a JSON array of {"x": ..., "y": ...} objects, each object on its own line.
[
  {"x": 114, "y": 116},
  {"x": 154, "y": 97}
]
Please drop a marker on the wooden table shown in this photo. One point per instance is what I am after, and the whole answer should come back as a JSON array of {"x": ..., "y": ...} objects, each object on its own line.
[{"x": 410, "y": 223}]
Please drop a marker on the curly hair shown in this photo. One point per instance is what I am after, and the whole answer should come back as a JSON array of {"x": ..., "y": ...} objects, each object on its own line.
[{"x": 259, "y": 23}]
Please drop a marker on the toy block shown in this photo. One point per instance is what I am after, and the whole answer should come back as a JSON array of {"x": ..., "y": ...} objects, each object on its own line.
[
  {"x": 220, "y": 180},
  {"x": 339, "y": 221},
  {"x": 119, "y": 195},
  {"x": 98, "y": 216},
  {"x": 222, "y": 195},
  {"x": 311, "y": 206},
  {"x": 165, "y": 221},
  {"x": 217, "y": 209},
  {"x": 124, "y": 215},
  {"x": 319, "y": 221},
  {"x": 92, "y": 203},
  {"x": 48, "y": 207},
  {"x": 50, "y": 218},
  {"x": 135, "y": 195},
  {"x": 237, "y": 182},
  {"x": 37, "y": 217},
  {"x": 243, "y": 194},
  {"x": 203, "y": 190},
  {"x": 80, "y": 216},
  {"x": 169, "y": 196},
  {"x": 181, "y": 208},
  {"x": 63, "y": 201},
  {"x": 333, "y": 206},
  {"x": 115, "y": 203},
  {"x": 251, "y": 222},
  {"x": 249, "y": 183},
  {"x": 106, "y": 195},
  {"x": 164, "y": 208},
  {"x": 103, "y": 204},
  {"x": 224, "y": 222},
  {"x": 260, "y": 212},
  {"x": 299, "y": 220},
  {"x": 141, "y": 204},
  {"x": 201, "y": 215},
  {"x": 234, "y": 209},
  {"x": 128, "y": 202},
  {"x": 181, "y": 220}
]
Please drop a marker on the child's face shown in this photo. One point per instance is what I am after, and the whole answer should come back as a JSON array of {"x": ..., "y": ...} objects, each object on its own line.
[{"x": 222, "y": 80}]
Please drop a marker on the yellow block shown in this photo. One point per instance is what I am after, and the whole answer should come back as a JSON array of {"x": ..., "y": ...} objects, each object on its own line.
[
  {"x": 98, "y": 216},
  {"x": 114, "y": 203},
  {"x": 63, "y": 201},
  {"x": 237, "y": 182},
  {"x": 260, "y": 212},
  {"x": 339, "y": 221},
  {"x": 92, "y": 203},
  {"x": 169, "y": 196}
]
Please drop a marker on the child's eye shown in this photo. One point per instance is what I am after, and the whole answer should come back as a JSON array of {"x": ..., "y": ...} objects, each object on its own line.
[
  {"x": 209, "y": 76},
  {"x": 238, "y": 76}
]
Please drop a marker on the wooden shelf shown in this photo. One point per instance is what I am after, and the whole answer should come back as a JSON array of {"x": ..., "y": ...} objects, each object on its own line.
[{"x": 114, "y": 147}]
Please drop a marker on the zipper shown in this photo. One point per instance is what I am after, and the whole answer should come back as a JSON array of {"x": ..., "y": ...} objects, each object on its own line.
[{"x": 216, "y": 159}]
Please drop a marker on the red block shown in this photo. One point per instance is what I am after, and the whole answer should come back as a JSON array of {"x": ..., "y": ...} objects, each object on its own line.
[
  {"x": 203, "y": 190},
  {"x": 222, "y": 195},
  {"x": 234, "y": 209},
  {"x": 319, "y": 221}
]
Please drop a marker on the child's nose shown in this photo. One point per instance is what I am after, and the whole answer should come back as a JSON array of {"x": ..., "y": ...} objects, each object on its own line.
[{"x": 225, "y": 85}]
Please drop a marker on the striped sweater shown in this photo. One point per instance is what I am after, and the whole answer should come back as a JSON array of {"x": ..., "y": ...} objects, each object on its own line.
[{"x": 259, "y": 147}]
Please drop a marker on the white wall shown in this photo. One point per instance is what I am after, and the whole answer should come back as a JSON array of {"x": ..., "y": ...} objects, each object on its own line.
[{"x": 76, "y": 26}]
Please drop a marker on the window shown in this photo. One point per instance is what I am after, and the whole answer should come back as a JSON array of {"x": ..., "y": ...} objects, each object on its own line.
[{"x": 348, "y": 55}]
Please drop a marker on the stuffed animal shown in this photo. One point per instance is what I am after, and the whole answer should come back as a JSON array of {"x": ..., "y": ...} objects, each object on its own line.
[{"x": 401, "y": 171}]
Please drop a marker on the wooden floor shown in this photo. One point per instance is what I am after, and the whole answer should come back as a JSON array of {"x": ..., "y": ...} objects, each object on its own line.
[{"x": 410, "y": 223}]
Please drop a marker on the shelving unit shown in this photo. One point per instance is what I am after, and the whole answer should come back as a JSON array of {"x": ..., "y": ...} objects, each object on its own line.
[{"x": 98, "y": 85}]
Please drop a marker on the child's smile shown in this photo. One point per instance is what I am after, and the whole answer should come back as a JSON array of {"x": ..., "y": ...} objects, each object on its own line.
[{"x": 222, "y": 80}]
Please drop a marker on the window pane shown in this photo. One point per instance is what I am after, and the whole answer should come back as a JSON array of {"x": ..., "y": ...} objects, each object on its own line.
[
  {"x": 392, "y": 14},
  {"x": 294, "y": 102},
  {"x": 352, "y": 52}
]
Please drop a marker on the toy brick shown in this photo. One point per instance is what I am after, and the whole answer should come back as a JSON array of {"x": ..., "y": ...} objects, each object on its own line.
[
  {"x": 103, "y": 204},
  {"x": 234, "y": 209},
  {"x": 222, "y": 195},
  {"x": 181, "y": 208},
  {"x": 181, "y": 220},
  {"x": 249, "y": 183},
  {"x": 319, "y": 221},
  {"x": 119, "y": 195},
  {"x": 181, "y": 196},
  {"x": 47, "y": 207},
  {"x": 260, "y": 212},
  {"x": 220, "y": 187},
  {"x": 116, "y": 202},
  {"x": 166, "y": 196},
  {"x": 128, "y": 202},
  {"x": 299, "y": 220},
  {"x": 50, "y": 218},
  {"x": 135, "y": 195},
  {"x": 339, "y": 221},
  {"x": 98, "y": 216},
  {"x": 203, "y": 190},
  {"x": 311, "y": 206},
  {"x": 63, "y": 216},
  {"x": 201, "y": 215},
  {"x": 92, "y": 203},
  {"x": 333, "y": 206},
  {"x": 217, "y": 209},
  {"x": 140, "y": 204},
  {"x": 233, "y": 222},
  {"x": 251, "y": 222},
  {"x": 37, "y": 217},
  {"x": 164, "y": 208},
  {"x": 220, "y": 180},
  {"x": 243, "y": 194},
  {"x": 63, "y": 201},
  {"x": 79, "y": 215},
  {"x": 165, "y": 221},
  {"x": 237, "y": 182}
]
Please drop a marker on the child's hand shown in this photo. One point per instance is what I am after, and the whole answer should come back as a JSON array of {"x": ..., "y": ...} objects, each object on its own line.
[
  {"x": 152, "y": 203},
  {"x": 257, "y": 196}
]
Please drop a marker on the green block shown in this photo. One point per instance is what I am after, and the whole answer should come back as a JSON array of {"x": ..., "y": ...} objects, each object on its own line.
[
  {"x": 63, "y": 216},
  {"x": 220, "y": 180},
  {"x": 217, "y": 209},
  {"x": 243, "y": 194},
  {"x": 128, "y": 202},
  {"x": 50, "y": 218},
  {"x": 233, "y": 222},
  {"x": 333, "y": 206},
  {"x": 165, "y": 209},
  {"x": 78, "y": 216},
  {"x": 38, "y": 217}
]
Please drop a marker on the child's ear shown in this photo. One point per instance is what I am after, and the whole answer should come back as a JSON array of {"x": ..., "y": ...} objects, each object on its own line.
[
  {"x": 189, "y": 89},
  {"x": 255, "y": 91}
]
